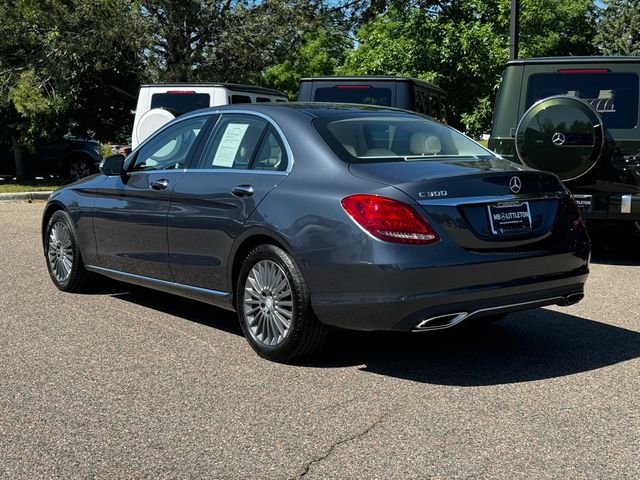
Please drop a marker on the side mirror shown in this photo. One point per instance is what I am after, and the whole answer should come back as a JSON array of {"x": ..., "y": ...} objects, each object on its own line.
[{"x": 112, "y": 165}]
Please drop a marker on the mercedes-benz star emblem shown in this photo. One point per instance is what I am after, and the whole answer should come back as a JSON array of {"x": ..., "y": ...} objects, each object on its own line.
[
  {"x": 515, "y": 184},
  {"x": 558, "y": 139}
]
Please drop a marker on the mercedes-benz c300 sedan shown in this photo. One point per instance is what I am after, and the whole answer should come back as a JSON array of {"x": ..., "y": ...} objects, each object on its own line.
[{"x": 303, "y": 217}]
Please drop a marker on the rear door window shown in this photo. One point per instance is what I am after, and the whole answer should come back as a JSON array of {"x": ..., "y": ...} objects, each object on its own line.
[
  {"x": 613, "y": 95},
  {"x": 180, "y": 102},
  {"x": 354, "y": 93},
  {"x": 233, "y": 142}
]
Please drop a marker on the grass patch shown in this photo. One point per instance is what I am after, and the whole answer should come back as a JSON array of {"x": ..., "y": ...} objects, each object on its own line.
[{"x": 15, "y": 186}]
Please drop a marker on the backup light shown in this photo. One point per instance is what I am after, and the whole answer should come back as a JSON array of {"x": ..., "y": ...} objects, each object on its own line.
[{"x": 389, "y": 220}]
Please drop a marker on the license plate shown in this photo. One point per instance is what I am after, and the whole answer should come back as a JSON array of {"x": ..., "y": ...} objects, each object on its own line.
[
  {"x": 583, "y": 202},
  {"x": 509, "y": 217}
]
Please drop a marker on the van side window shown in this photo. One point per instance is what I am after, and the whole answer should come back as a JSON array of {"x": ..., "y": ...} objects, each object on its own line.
[
  {"x": 422, "y": 102},
  {"x": 271, "y": 155},
  {"x": 170, "y": 148},
  {"x": 240, "y": 99},
  {"x": 233, "y": 142},
  {"x": 263, "y": 100}
]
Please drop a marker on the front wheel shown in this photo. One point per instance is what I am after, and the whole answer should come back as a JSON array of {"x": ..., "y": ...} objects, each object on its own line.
[
  {"x": 273, "y": 306},
  {"x": 62, "y": 252}
]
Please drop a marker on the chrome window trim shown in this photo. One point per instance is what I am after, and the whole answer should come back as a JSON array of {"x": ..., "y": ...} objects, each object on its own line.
[{"x": 270, "y": 121}]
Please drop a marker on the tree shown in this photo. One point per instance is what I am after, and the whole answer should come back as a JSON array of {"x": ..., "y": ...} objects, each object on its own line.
[
  {"x": 320, "y": 53},
  {"x": 462, "y": 45},
  {"x": 66, "y": 67},
  {"x": 619, "y": 29}
]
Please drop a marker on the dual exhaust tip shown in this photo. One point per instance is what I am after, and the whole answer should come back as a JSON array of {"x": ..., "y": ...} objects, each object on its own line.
[{"x": 449, "y": 320}]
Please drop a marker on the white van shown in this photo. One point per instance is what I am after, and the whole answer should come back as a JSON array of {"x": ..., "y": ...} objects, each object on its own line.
[{"x": 162, "y": 102}]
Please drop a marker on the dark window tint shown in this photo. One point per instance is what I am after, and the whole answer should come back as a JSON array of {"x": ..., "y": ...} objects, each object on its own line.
[
  {"x": 240, "y": 99},
  {"x": 180, "y": 103},
  {"x": 422, "y": 105},
  {"x": 170, "y": 148},
  {"x": 613, "y": 95},
  {"x": 354, "y": 94},
  {"x": 262, "y": 100},
  {"x": 233, "y": 142},
  {"x": 271, "y": 155}
]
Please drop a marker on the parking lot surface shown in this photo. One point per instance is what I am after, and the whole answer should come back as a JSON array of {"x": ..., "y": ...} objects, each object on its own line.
[{"x": 127, "y": 382}]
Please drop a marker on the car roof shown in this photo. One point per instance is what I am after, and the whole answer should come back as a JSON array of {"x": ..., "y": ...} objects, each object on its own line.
[
  {"x": 562, "y": 60},
  {"x": 310, "y": 109},
  {"x": 372, "y": 78},
  {"x": 228, "y": 86}
]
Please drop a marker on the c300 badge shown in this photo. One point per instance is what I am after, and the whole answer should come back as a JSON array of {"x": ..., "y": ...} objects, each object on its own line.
[{"x": 434, "y": 194}]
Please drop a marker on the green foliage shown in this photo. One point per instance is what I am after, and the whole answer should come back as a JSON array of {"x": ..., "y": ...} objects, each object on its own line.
[
  {"x": 320, "y": 53},
  {"x": 462, "y": 46},
  {"x": 619, "y": 29}
]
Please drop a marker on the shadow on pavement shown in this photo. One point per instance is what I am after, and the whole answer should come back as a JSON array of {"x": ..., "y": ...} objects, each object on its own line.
[
  {"x": 615, "y": 246},
  {"x": 185, "y": 308},
  {"x": 526, "y": 346}
]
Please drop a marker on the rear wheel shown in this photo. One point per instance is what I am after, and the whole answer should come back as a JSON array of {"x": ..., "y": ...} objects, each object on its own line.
[
  {"x": 62, "y": 252},
  {"x": 273, "y": 306}
]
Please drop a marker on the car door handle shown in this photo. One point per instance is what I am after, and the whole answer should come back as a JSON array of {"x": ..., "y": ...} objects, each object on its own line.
[
  {"x": 159, "y": 184},
  {"x": 243, "y": 190}
]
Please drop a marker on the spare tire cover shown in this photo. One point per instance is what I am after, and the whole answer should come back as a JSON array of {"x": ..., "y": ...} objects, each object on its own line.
[
  {"x": 150, "y": 122},
  {"x": 562, "y": 134}
]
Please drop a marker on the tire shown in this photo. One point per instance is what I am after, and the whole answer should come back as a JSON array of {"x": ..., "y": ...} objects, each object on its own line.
[
  {"x": 62, "y": 254},
  {"x": 264, "y": 306}
]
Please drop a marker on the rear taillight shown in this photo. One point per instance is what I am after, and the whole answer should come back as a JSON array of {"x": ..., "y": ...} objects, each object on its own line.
[
  {"x": 389, "y": 220},
  {"x": 576, "y": 216}
]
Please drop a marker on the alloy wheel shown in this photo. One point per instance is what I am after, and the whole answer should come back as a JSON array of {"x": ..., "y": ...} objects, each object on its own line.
[
  {"x": 78, "y": 170},
  {"x": 60, "y": 252},
  {"x": 268, "y": 303}
]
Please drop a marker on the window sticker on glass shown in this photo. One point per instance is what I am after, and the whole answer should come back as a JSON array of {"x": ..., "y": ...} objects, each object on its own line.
[{"x": 229, "y": 145}]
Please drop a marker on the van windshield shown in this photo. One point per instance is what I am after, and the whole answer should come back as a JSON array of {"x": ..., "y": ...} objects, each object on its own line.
[
  {"x": 352, "y": 93},
  {"x": 395, "y": 137},
  {"x": 613, "y": 95}
]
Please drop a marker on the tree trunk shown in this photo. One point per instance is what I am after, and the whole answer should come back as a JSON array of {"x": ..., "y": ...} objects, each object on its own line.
[{"x": 21, "y": 171}]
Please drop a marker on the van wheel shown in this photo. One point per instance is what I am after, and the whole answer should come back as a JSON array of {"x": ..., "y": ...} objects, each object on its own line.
[{"x": 274, "y": 306}]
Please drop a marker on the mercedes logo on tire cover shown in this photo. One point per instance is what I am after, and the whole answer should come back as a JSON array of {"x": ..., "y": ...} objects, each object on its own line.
[
  {"x": 515, "y": 184},
  {"x": 558, "y": 139}
]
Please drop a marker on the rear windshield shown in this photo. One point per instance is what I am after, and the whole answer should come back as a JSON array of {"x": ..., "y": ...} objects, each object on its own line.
[
  {"x": 613, "y": 95},
  {"x": 395, "y": 137},
  {"x": 347, "y": 93},
  {"x": 180, "y": 103}
]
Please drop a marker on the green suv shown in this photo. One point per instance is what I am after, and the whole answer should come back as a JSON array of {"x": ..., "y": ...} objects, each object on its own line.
[{"x": 578, "y": 118}]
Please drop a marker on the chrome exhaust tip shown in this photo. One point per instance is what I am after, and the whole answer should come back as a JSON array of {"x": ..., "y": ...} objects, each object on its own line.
[
  {"x": 440, "y": 322},
  {"x": 573, "y": 298}
]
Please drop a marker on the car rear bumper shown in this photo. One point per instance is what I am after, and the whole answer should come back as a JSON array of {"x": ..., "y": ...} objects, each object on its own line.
[
  {"x": 614, "y": 206},
  {"x": 422, "y": 312}
]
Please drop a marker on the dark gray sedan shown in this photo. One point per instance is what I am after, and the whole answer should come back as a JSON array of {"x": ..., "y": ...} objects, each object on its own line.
[{"x": 303, "y": 217}]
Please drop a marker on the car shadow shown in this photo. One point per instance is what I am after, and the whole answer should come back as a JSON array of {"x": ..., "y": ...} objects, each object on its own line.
[
  {"x": 615, "y": 247},
  {"x": 177, "y": 306},
  {"x": 526, "y": 346}
]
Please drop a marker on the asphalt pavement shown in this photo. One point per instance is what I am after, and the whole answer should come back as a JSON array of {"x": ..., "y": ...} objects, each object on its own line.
[{"x": 124, "y": 382}]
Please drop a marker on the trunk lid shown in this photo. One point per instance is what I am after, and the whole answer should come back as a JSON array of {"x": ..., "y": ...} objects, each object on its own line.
[{"x": 481, "y": 204}]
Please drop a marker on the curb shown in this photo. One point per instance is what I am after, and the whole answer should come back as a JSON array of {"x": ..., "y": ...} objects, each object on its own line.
[{"x": 22, "y": 196}]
